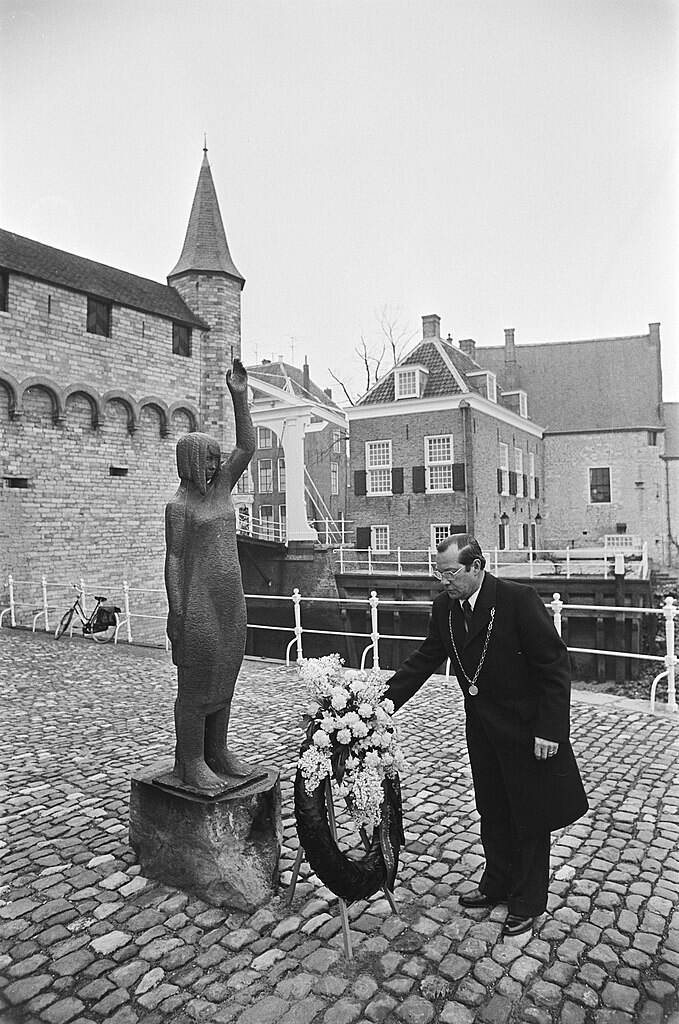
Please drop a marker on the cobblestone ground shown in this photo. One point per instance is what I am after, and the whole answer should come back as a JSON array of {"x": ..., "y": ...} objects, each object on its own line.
[{"x": 85, "y": 937}]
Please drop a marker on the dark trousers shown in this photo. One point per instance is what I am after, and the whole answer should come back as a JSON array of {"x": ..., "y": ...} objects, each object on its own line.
[
  {"x": 517, "y": 863},
  {"x": 516, "y": 868}
]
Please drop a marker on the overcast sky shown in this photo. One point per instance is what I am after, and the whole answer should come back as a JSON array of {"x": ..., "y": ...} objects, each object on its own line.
[{"x": 502, "y": 164}]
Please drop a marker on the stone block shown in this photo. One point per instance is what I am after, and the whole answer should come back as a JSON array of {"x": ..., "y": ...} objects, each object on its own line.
[{"x": 225, "y": 849}]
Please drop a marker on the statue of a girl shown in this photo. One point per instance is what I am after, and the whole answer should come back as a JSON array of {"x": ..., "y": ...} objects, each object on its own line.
[{"x": 207, "y": 617}]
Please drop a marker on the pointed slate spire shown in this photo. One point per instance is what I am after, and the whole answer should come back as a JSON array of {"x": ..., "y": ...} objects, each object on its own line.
[{"x": 205, "y": 246}]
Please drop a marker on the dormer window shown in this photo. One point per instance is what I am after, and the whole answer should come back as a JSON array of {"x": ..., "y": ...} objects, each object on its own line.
[
  {"x": 518, "y": 401},
  {"x": 485, "y": 383},
  {"x": 409, "y": 381}
]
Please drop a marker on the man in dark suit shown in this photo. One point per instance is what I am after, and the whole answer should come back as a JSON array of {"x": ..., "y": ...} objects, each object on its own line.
[{"x": 513, "y": 669}]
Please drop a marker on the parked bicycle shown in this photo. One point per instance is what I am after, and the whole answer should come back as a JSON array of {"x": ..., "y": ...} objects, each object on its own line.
[{"x": 101, "y": 624}]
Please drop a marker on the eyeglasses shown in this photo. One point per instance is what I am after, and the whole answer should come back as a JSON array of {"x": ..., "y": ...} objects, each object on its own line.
[{"x": 448, "y": 574}]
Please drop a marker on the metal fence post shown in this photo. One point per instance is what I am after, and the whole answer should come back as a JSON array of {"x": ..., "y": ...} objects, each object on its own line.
[
  {"x": 429, "y": 565},
  {"x": 126, "y": 605},
  {"x": 398, "y": 557},
  {"x": 556, "y": 605},
  {"x": 568, "y": 563},
  {"x": 341, "y": 558},
  {"x": 670, "y": 611},
  {"x": 495, "y": 560},
  {"x": 374, "y": 633},
  {"x": 296, "y": 599},
  {"x": 12, "y": 617},
  {"x": 45, "y": 607},
  {"x": 530, "y": 561},
  {"x": 370, "y": 560}
]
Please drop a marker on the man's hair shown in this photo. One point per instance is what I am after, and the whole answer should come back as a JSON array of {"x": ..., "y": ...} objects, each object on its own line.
[{"x": 468, "y": 548}]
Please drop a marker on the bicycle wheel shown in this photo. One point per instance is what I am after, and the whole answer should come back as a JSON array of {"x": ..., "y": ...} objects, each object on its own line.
[
  {"x": 64, "y": 624},
  {"x": 103, "y": 636}
]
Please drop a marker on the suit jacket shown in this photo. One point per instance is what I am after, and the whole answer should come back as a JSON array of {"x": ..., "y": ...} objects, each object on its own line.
[{"x": 524, "y": 692}]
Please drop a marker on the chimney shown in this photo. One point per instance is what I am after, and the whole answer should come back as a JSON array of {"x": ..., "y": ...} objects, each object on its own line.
[
  {"x": 431, "y": 326},
  {"x": 654, "y": 333},
  {"x": 468, "y": 346},
  {"x": 511, "y": 380},
  {"x": 328, "y": 392},
  {"x": 305, "y": 375}
]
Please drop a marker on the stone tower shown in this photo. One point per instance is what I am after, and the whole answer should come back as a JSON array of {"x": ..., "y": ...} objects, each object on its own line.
[{"x": 208, "y": 281}]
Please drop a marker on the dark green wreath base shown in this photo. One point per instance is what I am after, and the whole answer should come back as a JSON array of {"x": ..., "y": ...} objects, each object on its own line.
[{"x": 349, "y": 876}]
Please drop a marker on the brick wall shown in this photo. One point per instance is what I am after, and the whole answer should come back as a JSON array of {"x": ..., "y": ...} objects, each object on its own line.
[
  {"x": 637, "y": 488},
  {"x": 137, "y": 357},
  {"x": 476, "y": 438},
  {"x": 216, "y": 299}
]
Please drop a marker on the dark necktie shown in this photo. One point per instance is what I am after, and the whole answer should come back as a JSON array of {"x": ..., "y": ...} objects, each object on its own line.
[{"x": 468, "y": 611}]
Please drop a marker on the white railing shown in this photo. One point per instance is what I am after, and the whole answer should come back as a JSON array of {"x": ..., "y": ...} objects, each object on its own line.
[
  {"x": 530, "y": 563},
  {"x": 259, "y": 528},
  {"x": 40, "y": 608}
]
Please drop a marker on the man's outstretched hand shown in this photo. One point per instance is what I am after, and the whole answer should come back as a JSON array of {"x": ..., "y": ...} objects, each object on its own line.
[{"x": 237, "y": 378}]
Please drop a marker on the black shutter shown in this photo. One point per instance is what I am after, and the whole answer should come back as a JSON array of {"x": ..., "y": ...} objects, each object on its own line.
[
  {"x": 458, "y": 476},
  {"x": 362, "y": 537},
  {"x": 512, "y": 482},
  {"x": 537, "y": 487},
  {"x": 359, "y": 483},
  {"x": 499, "y": 481},
  {"x": 397, "y": 481},
  {"x": 525, "y": 486},
  {"x": 418, "y": 480}
]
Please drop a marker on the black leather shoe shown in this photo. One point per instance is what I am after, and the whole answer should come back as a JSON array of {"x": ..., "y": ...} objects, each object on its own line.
[
  {"x": 476, "y": 898},
  {"x": 515, "y": 925}
]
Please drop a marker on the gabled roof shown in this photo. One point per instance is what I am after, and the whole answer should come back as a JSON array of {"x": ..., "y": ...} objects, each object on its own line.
[
  {"x": 440, "y": 381},
  {"x": 205, "y": 246},
  {"x": 288, "y": 378},
  {"x": 598, "y": 384},
  {"x": 54, "y": 266}
]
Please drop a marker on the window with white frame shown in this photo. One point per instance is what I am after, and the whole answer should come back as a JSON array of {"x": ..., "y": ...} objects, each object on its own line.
[
  {"x": 283, "y": 520},
  {"x": 334, "y": 478},
  {"x": 281, "y": 474},
  {"x": 379, "y": 538},
  {"x": 266, "y": 521},
  {"x": 600, "y": 485},
  {"x": 438, "y": 460},
  {"x": 531, "y": 474},
  {"x": 504, "y": 466},
  {"x": 265, "y": 476},
  {"x": 244, "y": 519},
  {"x": 406, "y": 383},
  {"x": 437, "y": 533},
  {"x": 523, "y": 404},
  {"x": 518, "y": 469},
  {"x": 264, "y": 437},
  {"x": 337, "y": 442},
  {"x": 378, "y": 467},
  {"x": 244, "y": 484},
  {"x": 491, "y": 386}
]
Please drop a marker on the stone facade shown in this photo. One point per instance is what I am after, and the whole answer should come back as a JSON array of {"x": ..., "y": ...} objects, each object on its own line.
[
  {"x": 637, "y": 491},
  {"x": 89, "y": 423}
]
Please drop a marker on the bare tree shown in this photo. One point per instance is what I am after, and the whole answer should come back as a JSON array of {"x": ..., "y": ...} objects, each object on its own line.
[{"x": 394, "y": 338}]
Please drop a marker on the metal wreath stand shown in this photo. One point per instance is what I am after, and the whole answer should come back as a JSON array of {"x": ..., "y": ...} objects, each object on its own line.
[{"x": 323, "y": 795}]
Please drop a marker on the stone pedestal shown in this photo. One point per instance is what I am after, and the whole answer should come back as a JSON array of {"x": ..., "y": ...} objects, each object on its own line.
[{"x": 225, "y": 848}]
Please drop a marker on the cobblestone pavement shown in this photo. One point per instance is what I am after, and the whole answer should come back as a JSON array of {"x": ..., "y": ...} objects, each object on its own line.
[{"x": 85, "y": 937}]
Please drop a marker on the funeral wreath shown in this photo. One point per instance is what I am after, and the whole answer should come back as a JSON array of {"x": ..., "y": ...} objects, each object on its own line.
[{"x": 351, "y": 742}]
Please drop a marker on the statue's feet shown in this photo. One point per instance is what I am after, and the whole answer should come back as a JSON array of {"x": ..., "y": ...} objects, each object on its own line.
[
  {"x": 228, "y": 764},
  {"x": 199, "y": 776}
]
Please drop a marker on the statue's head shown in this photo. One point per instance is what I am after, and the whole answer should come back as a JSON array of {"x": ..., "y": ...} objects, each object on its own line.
[{"x": 198, "y": 458}]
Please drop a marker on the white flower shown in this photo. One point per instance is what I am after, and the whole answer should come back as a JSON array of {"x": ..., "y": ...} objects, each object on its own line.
[
  {"x": 365, "y": 710},
  {"x": 340, "y": 698},
  {"x": 328, "y": 724},
  {"x": 372, "y": 759},
  {"x": 388, "y": 705},
  {"x": 360, "y": 730},
  {"x": 344, "y": 736},
  {"x": 321, "y": 738}
]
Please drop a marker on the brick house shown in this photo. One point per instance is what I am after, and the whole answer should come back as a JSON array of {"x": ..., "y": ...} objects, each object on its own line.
[
  {"x": 600, "y": 405},
  {"x": 290, "y": 392},
  {"x": 437, "y": 446},
  {"x": 100, "y": 371}
]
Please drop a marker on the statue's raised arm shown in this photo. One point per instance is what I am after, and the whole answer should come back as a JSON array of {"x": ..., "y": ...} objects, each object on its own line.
[{"x": 237, "y": 383}]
